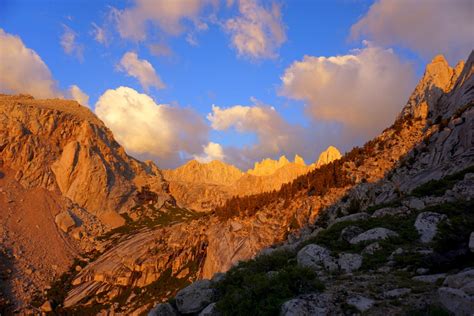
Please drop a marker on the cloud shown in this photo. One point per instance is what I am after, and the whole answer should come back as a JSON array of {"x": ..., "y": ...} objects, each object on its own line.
[
  {"x": 212, "y": 151},
  {"x": 22, "y": 70},
  {"x": 167, "y": 15},
  {"x": 77, "y": 94},
  {"x": 427, "y": 27},
  {"x": 258, "y": 31},
  {"x": 140, "y": 69},
  {"x": 167, "y": 134},
  {"x": 159, "y": 50},
  {"x": 275, "y": 136},
  {"x": 100, "y": 34},
  {"x": 69, "y": 44},
  {"x": 363, "y": 90}
]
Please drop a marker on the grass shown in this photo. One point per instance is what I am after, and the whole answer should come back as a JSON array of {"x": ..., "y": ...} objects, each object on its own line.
[
  {"x": 439, "y": 187},
  {"x": 248, "y": 288}
]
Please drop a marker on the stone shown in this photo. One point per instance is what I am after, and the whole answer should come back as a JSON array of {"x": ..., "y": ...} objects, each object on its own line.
[
  {"x": 390, "y": 211},
  {"x": 316, "y": 257},
  {"x": 349, "y": 262},
  {"x": 163, "y": 309},
  {"x": 371, "y": 249},
  {"x": 352, "y": 218},
  {"x": 210, "y": 310},
  {"x": 361, "y": 303},
  {"x": 456, "y": 301},
  {"x": 64, "y": 221},
  {"x": 373, "y": 234},
  {"x": 306, "y": 305},
  {"x": 395, "y": 253},
  {"x": 427, "y": 225},
  {"x": 350, "y": 232},
  {"x": 431, "y": 278},
  {"x": 460, "y": 279},
  {"x": 416, "y": 204},
  {"x": 395, "y": 293},
  {"x": 46, "y": 307},
  {"x": 471, "y": 242},
  {"x": 196, "y": 297}
]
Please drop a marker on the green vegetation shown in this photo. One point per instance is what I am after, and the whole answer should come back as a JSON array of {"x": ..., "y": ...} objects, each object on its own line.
[
  {"x": 439, "y": 187},
  {"x": 261, "y": 285},
  {"x": 430, "y": 310}
]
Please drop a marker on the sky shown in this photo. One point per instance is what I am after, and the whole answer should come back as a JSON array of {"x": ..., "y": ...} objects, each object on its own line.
[{"x": 236, "y": 81}]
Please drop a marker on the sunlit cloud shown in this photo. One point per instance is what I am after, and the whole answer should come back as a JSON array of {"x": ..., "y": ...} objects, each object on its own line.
[
  {"x": 211, "y": 151},
  {"x": 70, "y": 45},
  {"x": 140, "y": 69},
  {"x": 258, "y": 31},
  {"x": 167, "y": 134},
  {"x": 80, "y": 96},
  {"x": 427, "y": 27},
  {"x": 100, "y": 34}
]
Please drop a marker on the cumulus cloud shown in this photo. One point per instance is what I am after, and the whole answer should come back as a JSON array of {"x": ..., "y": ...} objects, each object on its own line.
[
  {"x": 140, "y": 69},
  {"x": 69, "y": 43},
  {"x": 23, "y": 71},
  {"x": 212, "y": 151},
  {"x": 275, "y": 136},
  {"x": 363, "y": 90},
  {"x": 164, "y": 133},
  {"x": 428, "y": 27},
  {"x": 258, "y": 31},
  {"x": 80, "y": 96},
  {"x": 167, "y": 15},
  {"x": 100, "y": 34},
  {"x": 160, "y": 50}
]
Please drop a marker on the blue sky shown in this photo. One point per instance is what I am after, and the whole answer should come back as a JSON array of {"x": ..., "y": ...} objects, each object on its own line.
[{"x": 212, "y": 71}]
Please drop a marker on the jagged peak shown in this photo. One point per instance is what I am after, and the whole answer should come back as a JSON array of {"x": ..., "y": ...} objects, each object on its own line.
[
  {"x": 299, "y": 160},
  {"x": 329, "y": 155}
]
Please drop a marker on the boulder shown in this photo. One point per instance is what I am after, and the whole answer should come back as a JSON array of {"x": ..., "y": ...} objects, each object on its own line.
[
  {"x": 352, "y": 218},
  {"x": 373, "y": 234},
  {"x": 163, "y": 309},
  {"x": 210, "y": 310},
  {"x": 415, "y": 204},
  {"x": 64, "y": 221},
  {"x": 427, "y": 225},
  {"x": 431, "y": 278},
  {"x": 460, "y": 279},
  {"x": 390, "y": 211},
  {"x": 196, "y": 297},
  {"x": 349, "y": 262},
  {"x": 316, "y": 257},
  {"x": 471, "y": 242},
  {"x": 46, "y": 307},
  {"x": 456, "y": 301},
  {"x": 350, "y": 232},
  {"x": 395, "y": 293},
  {"x": 307, "y": 305},
  {"x": 361, "y": 303},
  {"x": 371, "y": 249}
]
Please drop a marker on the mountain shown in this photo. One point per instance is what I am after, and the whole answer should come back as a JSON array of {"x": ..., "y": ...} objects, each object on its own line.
[
  {"x": 387, "y": 229},
  {"x": 205, "y": 186}
]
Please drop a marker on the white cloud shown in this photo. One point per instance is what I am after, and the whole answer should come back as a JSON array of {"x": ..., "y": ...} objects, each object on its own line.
[
  {"x": 22, "y": 70},
  {"x": 167, "y": 15},
  {"x": 212, "y": 151},
  {"x": 258, "y": 31},
  {"x": 140, "y": 69},
  {"x": 159, "y": 50},
  {"x": 364, "y": 90},
  {"x": 100, "y": 34},
  {"x": 167, "y": 134},
  {"x": 70, "y": 45},
  {"x": 77, "y": 94},
  {"x": 428, "y": 27}
]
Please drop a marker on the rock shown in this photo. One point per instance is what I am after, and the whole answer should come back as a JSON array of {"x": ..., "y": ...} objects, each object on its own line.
[
  {"x": 456, "y": 301},
  {"x": 471, "y": 242},
  {"x": 390, "y": 211},
  {"x": 327, "y": 156},
  {"x": 316, "y": 257},
  {"x": 306, "y": 305},
  {"x": 64, "y": 221},
  {"x": 46, "y": 307},
  {"x": 422, "y": 271},
  {"x": 397, "y": 252},
  {"x": 361, "y": 303},
  {"x": 427, "y": 225},
  {"x": 431, "y": 278},
  {"x": 460, "y": 279},
  {"x": 350, "y": 232},
  {"x": 194, "y": 298},
  {"x": 416, "y": 204},
  {"x": 163, "y": 309},
  {"x": 349, "y": 262},
  {"x": 396, "y": 293},
  {"x": 469, "y": 288},
  {"x": 210, "y": 310},
  {"x": 352, "y": 218},
  {"x": 371, "y": 249},
  {"x": 373, "y": 234}
]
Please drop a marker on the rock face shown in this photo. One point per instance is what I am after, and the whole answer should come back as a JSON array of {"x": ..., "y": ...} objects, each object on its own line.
[
  {"x": 427, "y": 225},
  {"x": 327, "y": 156}
]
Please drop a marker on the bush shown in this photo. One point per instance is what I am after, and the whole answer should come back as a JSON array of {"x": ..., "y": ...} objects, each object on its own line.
[{"x": 438, "y": 187}]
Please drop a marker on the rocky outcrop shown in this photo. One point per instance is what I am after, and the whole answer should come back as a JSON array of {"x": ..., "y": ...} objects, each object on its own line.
[
  {"x": 327, "y": 156},
  {"x": 427, "y": 225},
  {"x": 268, "y": 166}
]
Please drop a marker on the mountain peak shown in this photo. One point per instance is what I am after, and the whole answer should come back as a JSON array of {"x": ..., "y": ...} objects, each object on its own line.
[
  {"x": 299, "y": 160},
  {"x": 327, "y": 156}
]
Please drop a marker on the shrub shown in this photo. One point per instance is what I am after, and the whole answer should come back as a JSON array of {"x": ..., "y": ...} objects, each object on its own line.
[{"x": 438, "y": 187}]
